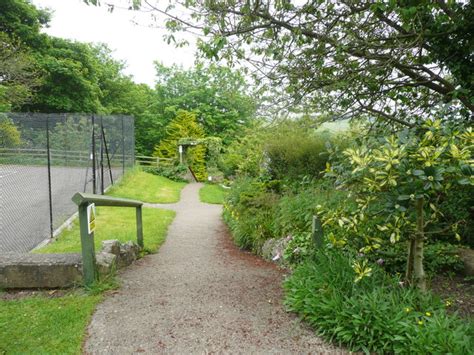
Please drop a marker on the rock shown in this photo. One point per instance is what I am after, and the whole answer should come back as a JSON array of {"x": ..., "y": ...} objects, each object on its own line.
[
  {"x": 125, "y": 253},
  {"x": 111, "y": 246},
  {"x": 267, "y": 248},
  {"x": 128, "y": 254},
  {"x": 273, "y": 249},
  {"x": 106, "y": 263},
  {"x": 467, "y": 256}
]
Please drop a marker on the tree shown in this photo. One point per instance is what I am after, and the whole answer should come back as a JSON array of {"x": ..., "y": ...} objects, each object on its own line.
[
  {"x": 70, "y": 78},
  {"x": 18, "y": 74},
  {"x": 20, "y": 23},
  {"x": 398, "y": 181},
  {"x": 184, "y": 126},
  {"x": 71, "y": 134},
  {"x": 76, "y": 77},
  {"x": 219, "y": 96},
  {"x": 397, "y": 61},
  {"x": 10, "y": 136},
  {"x": 21, "y": 20}
]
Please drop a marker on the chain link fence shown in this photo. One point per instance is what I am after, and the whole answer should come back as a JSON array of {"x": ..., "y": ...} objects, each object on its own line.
[{"x": 45, "y": 159}]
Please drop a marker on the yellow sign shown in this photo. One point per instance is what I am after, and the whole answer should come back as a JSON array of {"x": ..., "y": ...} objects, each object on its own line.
[{"x": 91, "y": 218}]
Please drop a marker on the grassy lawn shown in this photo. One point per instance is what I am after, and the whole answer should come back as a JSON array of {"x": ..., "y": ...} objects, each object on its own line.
[
  {"x": 41, "y": 325},
  {"x": 212, "y": 194},
  {"x": 46, "y": 325},
  {"x": 116, "y": 223},
  {"x": 146, "y": 187}
]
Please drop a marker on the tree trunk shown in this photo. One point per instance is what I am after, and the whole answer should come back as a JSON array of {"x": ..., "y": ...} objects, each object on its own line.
[{"x": 418, "y": 270}]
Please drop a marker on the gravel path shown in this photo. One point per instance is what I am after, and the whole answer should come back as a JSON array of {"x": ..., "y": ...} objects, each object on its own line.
[{"x": 200, "y": 294}]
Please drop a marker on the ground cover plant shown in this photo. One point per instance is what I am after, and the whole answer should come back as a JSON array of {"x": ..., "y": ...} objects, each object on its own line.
[
  {"x": 146, "y": 187},
  {"x": 212, "y": 193},
  {"x": 374, "y": 314},
  {"x": 248, "y": 211}
]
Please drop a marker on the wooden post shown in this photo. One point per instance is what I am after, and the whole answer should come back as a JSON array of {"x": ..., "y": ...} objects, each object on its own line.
[
  {"x": 139, "y": 227},
  {"x": 88, "y": 250},
  {"x": 317, "y": 232}
]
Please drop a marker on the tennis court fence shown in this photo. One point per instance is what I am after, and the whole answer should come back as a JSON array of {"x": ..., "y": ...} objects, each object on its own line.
[{"x": 45, "y": 159}]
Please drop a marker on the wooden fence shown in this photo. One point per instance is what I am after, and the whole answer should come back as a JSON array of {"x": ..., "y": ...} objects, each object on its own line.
[{"x": 143, "y": 160}]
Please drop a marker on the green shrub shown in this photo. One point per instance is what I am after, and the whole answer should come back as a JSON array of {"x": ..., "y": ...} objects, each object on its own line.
[
  {"x": 296, "y": 210},
  {"x": 244, "y": 156},
  {"x": 457, "y": 206},
  {"x": 293, "y": 154},
  {"x": 439, "y": 257},
  {"x": 10, "y": 136},
  {"x": 375, "y": 314},
  {"x": 175, "y": 172},
  {"x": 403, "y": 178},
  {"x": 294, "y": 215},
  {"x": 248, "y": 210}
]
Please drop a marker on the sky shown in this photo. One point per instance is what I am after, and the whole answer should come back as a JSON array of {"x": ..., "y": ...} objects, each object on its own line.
[{"x": 138, "y": 45}]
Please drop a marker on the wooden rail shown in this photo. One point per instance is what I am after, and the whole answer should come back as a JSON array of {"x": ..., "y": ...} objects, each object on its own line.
[
  {"x": 152, "y": 161},
  {"x": 19, "y": 155}
]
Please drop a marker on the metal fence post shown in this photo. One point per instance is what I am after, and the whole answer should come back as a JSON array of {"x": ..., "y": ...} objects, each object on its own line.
[
  {"x": 94, "y": 177},
  {"x": 88, "y": 249},
  {"x": 50, "y": 193},
  {"x": 123, "y": 148},
  {"x": 102, "y": 143}
]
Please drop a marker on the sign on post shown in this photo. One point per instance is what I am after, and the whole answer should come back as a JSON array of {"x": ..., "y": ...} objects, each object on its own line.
[{"x": 91, "y": 218}]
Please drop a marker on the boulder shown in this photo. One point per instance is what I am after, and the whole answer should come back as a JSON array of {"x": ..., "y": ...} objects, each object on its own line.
[
  {"x": 274, "y": 248},
  {"x": 128, "y": 254},
  {"x": 111, "y": 247}
]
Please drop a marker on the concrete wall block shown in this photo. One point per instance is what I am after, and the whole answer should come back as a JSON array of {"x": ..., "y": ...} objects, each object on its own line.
[{"x": 40, "y": 270}]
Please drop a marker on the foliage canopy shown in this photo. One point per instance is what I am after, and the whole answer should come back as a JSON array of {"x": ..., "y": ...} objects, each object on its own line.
[{"x": 397, "y": 61}]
